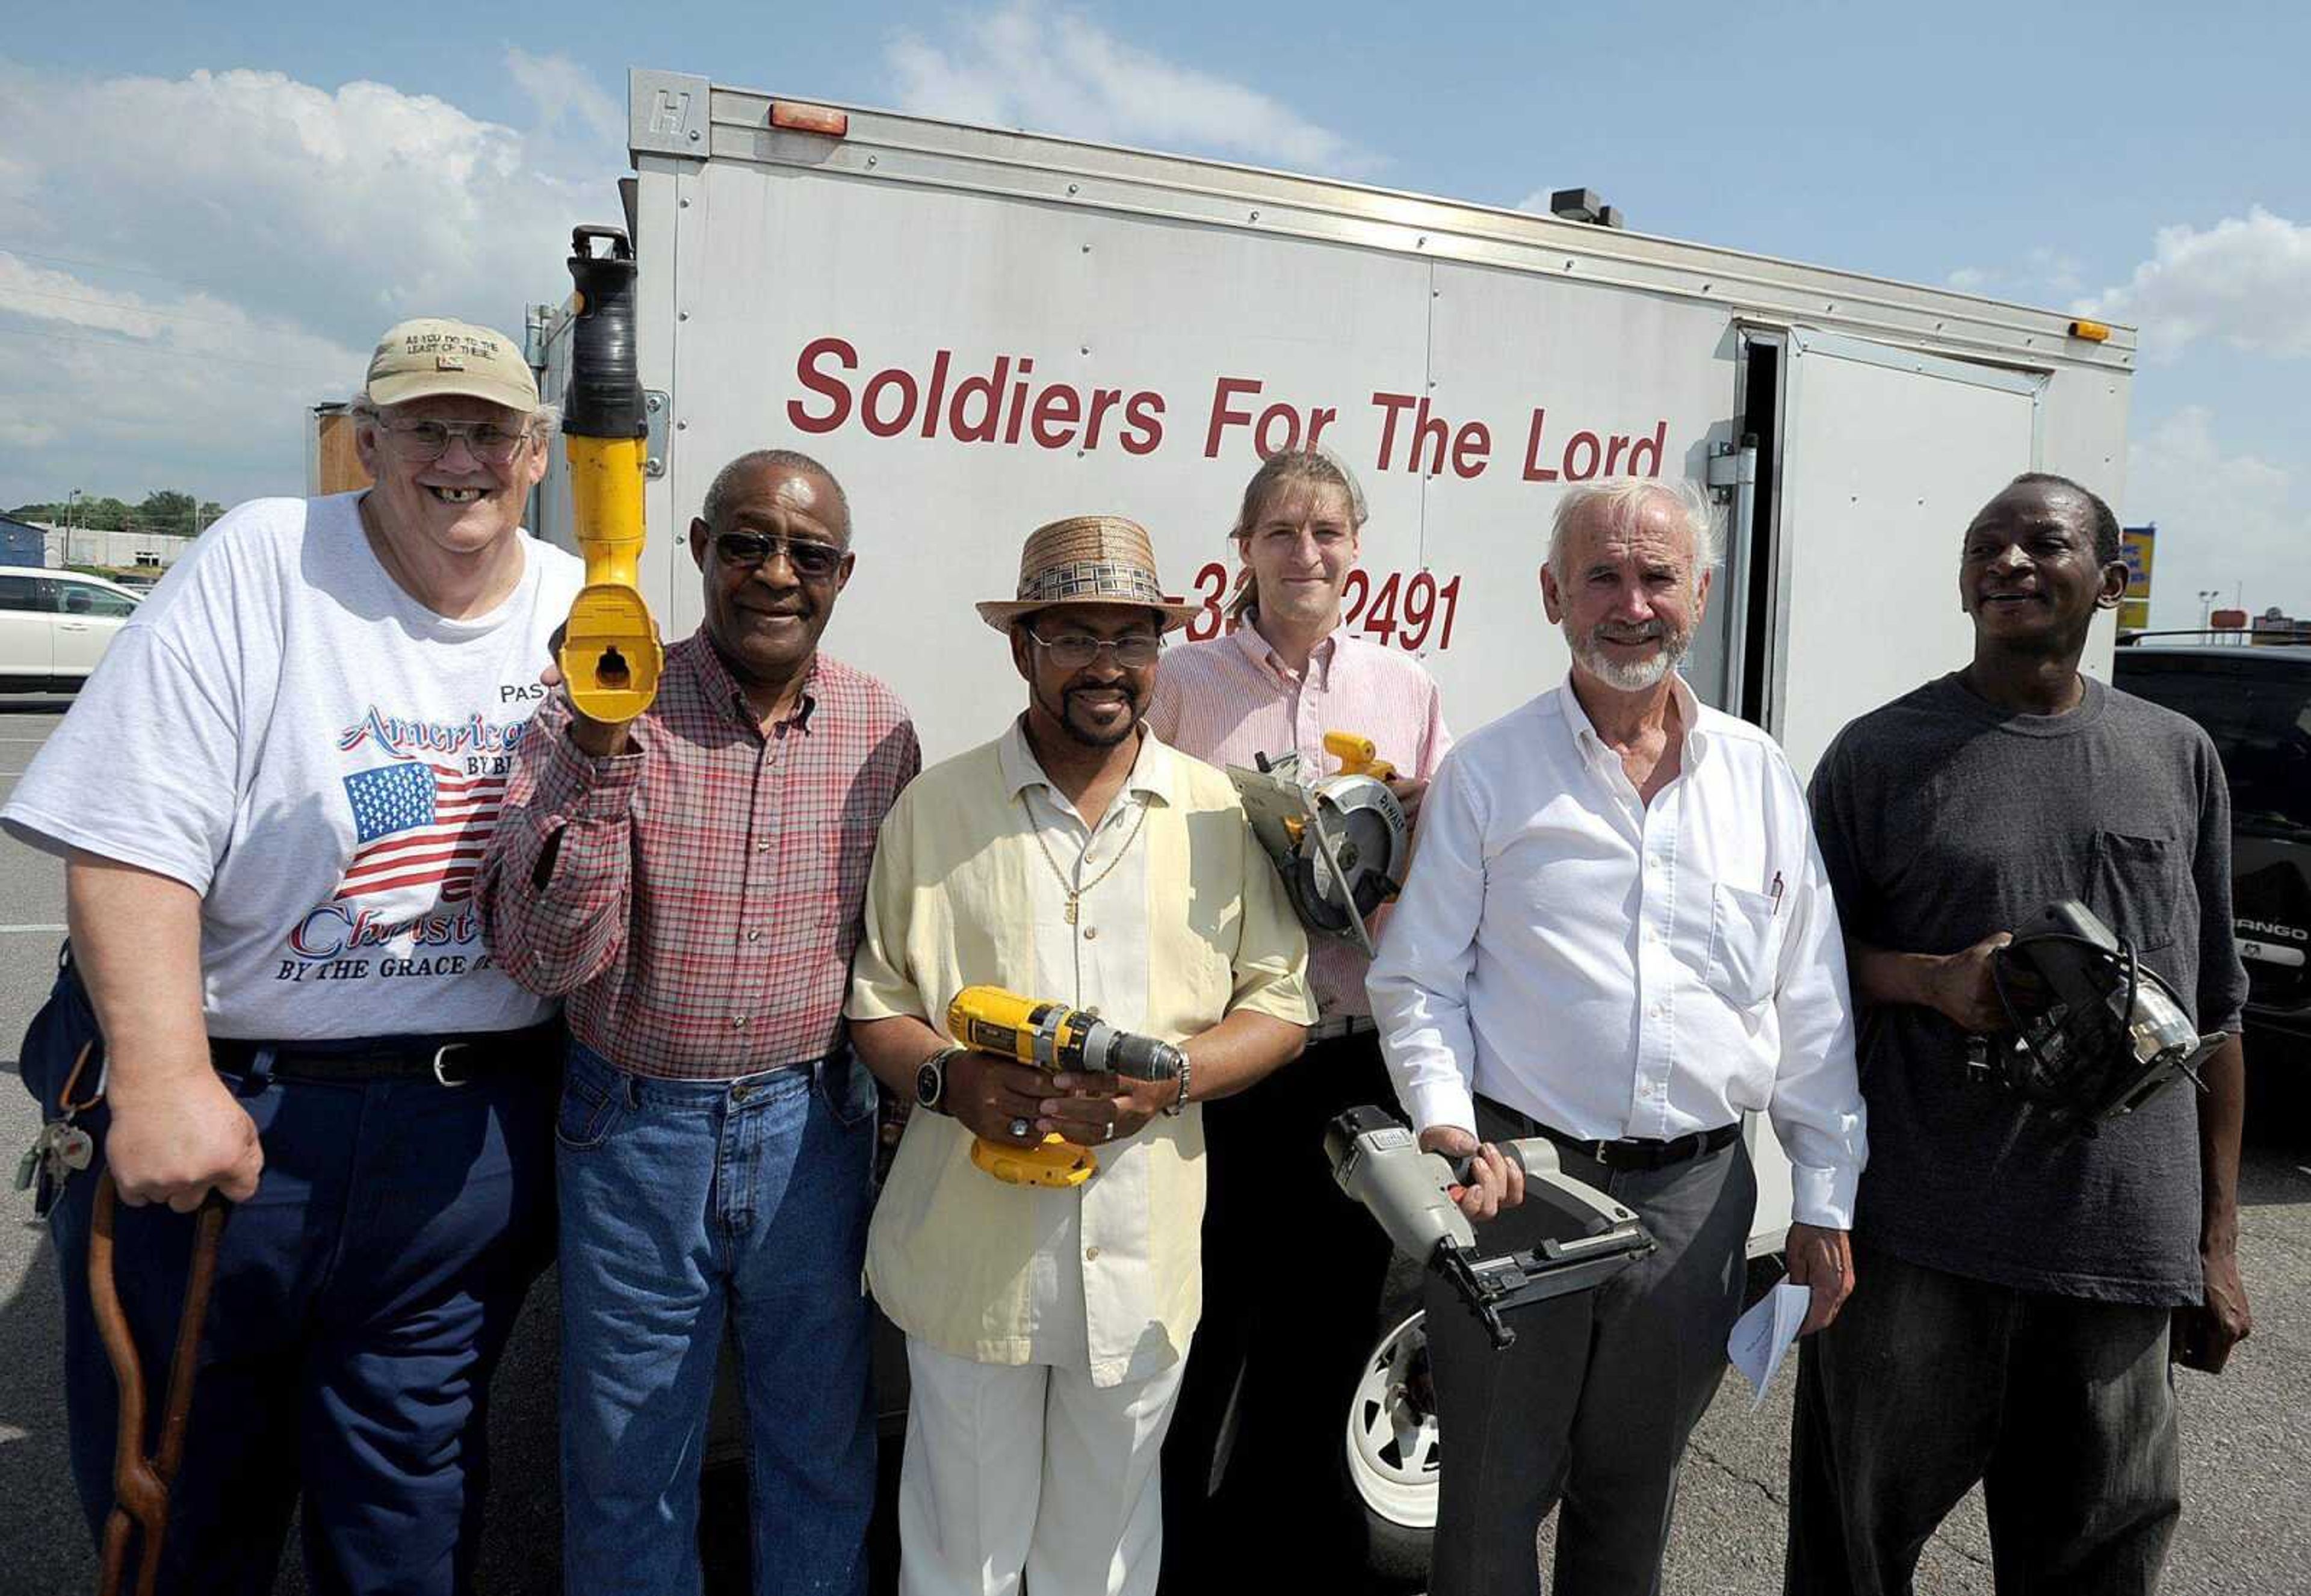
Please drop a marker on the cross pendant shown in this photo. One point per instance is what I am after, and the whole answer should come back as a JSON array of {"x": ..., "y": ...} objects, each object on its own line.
[{"x": 1072, "y": 907}]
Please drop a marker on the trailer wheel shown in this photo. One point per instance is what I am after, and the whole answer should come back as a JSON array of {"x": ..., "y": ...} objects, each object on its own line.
[{"x": 1392, "y": 1446}]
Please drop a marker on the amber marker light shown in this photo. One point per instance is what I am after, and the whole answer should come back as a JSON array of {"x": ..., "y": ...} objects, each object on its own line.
[
  {"x": 809, "y": 118},
  {"x": 2093, "y": 332}
]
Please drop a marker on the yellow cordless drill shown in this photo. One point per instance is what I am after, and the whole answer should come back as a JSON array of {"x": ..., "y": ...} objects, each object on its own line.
[
  {"x": 610, "y": 655},
  {"x": 1050, "y": 1037}
]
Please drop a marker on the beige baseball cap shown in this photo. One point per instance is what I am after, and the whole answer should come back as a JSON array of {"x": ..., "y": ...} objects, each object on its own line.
[{"x": 432, "y": 356}]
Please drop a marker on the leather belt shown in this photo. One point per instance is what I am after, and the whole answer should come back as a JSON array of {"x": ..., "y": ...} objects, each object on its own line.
[
  {"x": 1339, "y": 1025},
  {"x": 453, "y": 1060},
  {"x": 1629, "y": 1153}
]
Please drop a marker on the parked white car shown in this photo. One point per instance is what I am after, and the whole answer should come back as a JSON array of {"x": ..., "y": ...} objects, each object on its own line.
[{"x": 55, "y": 625}]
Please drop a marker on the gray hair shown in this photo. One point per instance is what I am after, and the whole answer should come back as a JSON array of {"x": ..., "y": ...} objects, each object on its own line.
[
  {"x": 1619, "y": 500},
  {"x": 724, "y": 486},
  {"x": 545, "y": 421}
]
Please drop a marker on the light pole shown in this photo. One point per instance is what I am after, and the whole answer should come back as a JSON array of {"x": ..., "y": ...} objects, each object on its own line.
[{"x": 2207, "y": 596}]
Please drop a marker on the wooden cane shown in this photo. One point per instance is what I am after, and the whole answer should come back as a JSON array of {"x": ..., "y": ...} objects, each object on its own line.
[{"x": 140, "y": 1484}]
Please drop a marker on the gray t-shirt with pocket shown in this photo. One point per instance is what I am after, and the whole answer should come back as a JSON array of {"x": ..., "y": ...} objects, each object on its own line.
[{"x": 1943, "y": 819}]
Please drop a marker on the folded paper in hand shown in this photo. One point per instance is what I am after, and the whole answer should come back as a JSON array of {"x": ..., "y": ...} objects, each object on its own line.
[{"x": 1762, "y": 1336}]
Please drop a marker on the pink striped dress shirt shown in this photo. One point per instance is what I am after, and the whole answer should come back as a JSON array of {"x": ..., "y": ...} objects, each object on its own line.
[{"x": 1226, "y": 699}]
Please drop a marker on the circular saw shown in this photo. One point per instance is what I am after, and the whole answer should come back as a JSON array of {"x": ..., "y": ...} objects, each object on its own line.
[{"x": 1339, "y": 842}]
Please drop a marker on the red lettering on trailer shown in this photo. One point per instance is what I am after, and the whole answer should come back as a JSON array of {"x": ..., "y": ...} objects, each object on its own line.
[
  {"x": 870, "y": 412},
  {"x": 1057, "y": 409},
  {"x": 1224, "y": 416},
  {"x": 837, "y": 391},
  {"x": 1145, "y": 412},
  {"x": 989, "y": 390}
]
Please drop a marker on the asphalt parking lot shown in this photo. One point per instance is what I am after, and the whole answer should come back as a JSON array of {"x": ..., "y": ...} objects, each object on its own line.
[{"x": 2246, "y": 1435}]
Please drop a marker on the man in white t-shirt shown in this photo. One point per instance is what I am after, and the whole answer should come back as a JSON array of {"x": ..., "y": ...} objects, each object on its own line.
[{"x": 272, "y": 799}]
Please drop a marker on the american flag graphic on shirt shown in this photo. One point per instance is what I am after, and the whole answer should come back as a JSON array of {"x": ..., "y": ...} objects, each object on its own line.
[{"x": 419, "y": 831}]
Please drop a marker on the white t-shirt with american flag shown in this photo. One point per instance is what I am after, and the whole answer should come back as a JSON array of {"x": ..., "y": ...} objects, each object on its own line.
[{"x": 283, "y": 730}]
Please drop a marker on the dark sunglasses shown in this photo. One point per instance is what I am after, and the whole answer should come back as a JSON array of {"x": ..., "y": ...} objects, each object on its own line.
[{"x": 813, "y": 561}]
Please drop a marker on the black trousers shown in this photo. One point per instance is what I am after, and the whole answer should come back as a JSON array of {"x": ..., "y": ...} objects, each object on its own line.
[
  {"x": 1294, "y": 1273},
  {"x": 1928, "y": 1382}
]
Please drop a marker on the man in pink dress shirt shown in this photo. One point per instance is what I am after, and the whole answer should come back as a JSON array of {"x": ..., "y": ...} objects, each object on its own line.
[{"x": 1287, "y": 672}]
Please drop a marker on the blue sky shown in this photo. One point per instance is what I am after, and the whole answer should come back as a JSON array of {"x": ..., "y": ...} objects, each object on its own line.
[{"x": 207, "y": 213}]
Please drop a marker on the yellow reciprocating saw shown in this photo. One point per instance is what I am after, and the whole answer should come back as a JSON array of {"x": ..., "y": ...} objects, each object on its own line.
[
  {"x": 610, "y": 655},
  {"x": 1050, "y": 1037}
]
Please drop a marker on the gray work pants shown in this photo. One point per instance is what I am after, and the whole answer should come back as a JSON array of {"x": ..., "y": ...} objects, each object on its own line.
[
  {"x": 1928, "y": 1382},
  {"x": 1592, "y": 1405}
]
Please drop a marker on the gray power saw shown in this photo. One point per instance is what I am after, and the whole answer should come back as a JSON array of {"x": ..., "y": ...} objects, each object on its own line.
[{"x": 1339, "y": 842}]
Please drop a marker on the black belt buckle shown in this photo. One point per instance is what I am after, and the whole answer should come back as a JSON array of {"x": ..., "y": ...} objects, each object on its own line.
[{"x": 440, "y": 1062}]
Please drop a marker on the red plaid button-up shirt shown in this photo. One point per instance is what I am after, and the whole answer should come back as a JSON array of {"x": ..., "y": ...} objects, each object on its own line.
[{"x": 698, "y": 897}]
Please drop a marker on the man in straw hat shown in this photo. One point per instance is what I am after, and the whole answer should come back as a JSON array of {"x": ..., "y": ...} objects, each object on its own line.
[
  {"x": 1074, "y": 858},
  {"x": 272, "y": 799}
]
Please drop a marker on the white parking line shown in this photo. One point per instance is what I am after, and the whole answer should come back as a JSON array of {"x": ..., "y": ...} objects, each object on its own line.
[{"x": 7, "y": 928}]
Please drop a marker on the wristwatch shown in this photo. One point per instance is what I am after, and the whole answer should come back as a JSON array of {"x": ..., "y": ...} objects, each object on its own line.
[
  {"x": 1179, "y": 1104},
  {"x": 930, "y": 1080}
]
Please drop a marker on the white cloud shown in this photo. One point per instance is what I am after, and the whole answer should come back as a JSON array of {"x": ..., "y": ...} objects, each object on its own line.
[
  {"x": 561, "y": 89},
  {"x": 186, "y": 263},
  {"x": 2043, "y": 275},
  {"x": 2230, "y": 522},
  {"x": 1026, "y": 64},
  {"x": 2243, "y": 282}
]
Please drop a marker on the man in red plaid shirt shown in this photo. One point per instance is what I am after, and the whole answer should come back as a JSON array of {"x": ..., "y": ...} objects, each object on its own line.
[{"x": 693, "y": 880}]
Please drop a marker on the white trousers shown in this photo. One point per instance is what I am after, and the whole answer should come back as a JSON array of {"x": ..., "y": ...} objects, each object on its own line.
[{"x": 1030, "y": 1470}]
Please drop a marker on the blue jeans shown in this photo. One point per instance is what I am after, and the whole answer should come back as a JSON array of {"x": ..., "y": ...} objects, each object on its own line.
[
  {"x": 362, "y": 1297},
  {"x": 684, "y": 1204}
]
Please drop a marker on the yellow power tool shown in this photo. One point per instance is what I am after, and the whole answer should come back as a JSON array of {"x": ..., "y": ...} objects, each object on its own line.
[
  {"x": 1358, "y": 756},
  {"x": 1054, "y": 1038},
  {"x": 610, "y": 655}
]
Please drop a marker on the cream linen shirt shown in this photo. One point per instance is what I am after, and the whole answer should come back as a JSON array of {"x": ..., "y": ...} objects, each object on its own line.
[{"x": 1188, "y": 927}]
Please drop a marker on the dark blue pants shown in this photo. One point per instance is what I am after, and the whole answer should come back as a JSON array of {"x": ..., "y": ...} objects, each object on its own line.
[{"x": 362, "y": 1297}]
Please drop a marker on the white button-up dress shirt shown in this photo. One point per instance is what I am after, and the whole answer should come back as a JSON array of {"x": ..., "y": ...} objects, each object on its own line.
[{"x": 1619, "y": 969}]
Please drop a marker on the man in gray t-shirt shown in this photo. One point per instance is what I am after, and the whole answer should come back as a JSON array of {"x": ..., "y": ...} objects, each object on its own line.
[{"x": 2017, "y": 1283}]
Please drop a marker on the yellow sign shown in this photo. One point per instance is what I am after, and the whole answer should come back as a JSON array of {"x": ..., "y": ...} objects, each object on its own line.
[{"x": 2134, "y": 610}]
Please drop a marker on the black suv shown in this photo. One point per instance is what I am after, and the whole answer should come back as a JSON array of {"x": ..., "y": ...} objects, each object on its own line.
[{"x": 2254, "y": 702}]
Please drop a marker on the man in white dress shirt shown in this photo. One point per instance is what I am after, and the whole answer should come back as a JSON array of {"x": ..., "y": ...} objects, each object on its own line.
[{"x": 1616, "y": 934}]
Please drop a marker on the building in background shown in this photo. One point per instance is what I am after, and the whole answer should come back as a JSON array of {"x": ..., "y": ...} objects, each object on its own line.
[
  {"x": 332, "y": 464},
  {"x": 107, "y": 551},
  {"x": 22, "y": 543},
  {"x": 2134, "y": 609}
]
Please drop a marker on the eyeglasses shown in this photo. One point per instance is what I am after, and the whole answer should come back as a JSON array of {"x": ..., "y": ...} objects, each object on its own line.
[
  {"x": 487, "y": 441},
  {"x": 813, "y": 561},
  {"x": 1074, "y": 649}
]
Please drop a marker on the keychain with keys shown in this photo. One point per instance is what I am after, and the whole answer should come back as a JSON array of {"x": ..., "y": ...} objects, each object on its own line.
[
  {"x": 62, "y": 1149},
  {"x": 71, "y": 1150}
]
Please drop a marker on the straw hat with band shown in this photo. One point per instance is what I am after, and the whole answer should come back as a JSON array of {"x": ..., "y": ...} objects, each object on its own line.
[{"x": 1087, "y": 559}]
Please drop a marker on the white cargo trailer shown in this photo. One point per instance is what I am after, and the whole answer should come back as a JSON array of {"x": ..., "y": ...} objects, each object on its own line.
[{"x": 979, "y": 330}]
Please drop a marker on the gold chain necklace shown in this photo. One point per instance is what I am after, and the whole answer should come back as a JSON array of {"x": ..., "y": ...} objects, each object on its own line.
[{"x": 1075, "y": 894}]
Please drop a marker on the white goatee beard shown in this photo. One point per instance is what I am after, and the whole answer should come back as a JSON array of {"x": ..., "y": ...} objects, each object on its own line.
[{"x": 1631, "y": 675}]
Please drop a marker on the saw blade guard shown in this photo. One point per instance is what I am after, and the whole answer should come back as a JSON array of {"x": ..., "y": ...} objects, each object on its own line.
[{"x": 1340, "y": 844}]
